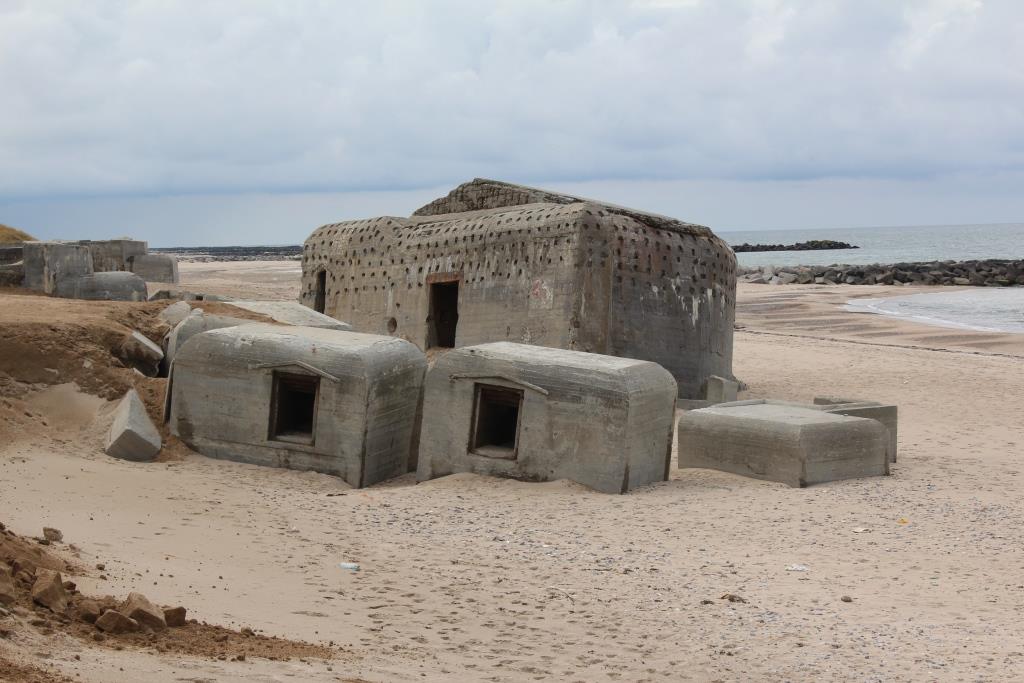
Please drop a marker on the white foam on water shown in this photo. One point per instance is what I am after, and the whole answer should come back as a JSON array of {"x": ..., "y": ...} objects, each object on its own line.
[{"x": 983, "y": 309}]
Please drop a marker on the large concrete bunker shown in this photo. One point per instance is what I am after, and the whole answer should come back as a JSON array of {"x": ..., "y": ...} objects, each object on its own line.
[
  {"x": 540, "y": 414},
  {"x": 304, "y": 398},
  {"x": 499, "y": 262}
]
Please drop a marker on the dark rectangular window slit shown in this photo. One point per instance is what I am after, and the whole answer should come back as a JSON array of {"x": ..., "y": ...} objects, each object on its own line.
[
  {"x": 496, "y": 412},
  {"x": 293, "y": 407}
]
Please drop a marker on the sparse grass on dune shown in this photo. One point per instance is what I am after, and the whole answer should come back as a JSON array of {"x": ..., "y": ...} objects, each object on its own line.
[{"x": 9, "y": 234}]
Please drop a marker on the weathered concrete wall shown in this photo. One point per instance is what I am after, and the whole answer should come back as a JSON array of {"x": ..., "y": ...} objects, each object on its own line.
[
  {"x": 114, "y": 255},
  {"x": 115, "y": 286},
  {"x": 12, "y": 274},
  {"x": 602, "y": 421},
  {"x": 563, "y": 273},
  {"x": 221, "y": 390},
  {"x": 47, "y": 263},
  {"x": 793, "y": 444},
  {"x": 155, "y": 267},
  {"x": 10, "y": 253}
]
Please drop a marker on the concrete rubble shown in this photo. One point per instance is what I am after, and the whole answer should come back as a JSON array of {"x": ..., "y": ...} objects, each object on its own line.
[
  {"x": 132, "y": 435},
  {"x": 138, "y": 350},
  {"x": 778, "y": 441},
  {"x": 540, "y": 414}
]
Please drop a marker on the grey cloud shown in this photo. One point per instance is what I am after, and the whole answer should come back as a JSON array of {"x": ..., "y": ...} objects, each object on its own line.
[{"x": 114, "y": 97}]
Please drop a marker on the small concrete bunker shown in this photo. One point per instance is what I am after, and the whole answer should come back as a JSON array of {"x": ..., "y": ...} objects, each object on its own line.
[
  {"x": 302, "y": 398},
  {"x": 785, "y": 442},
  {"x": 539, "y": 414}
]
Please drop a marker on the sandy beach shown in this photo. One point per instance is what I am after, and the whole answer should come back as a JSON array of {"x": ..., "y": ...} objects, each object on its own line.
[{"x": 471, "y": 578}]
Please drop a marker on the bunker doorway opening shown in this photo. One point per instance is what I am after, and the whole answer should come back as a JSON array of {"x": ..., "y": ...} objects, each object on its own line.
[
  {"x": 320, "y": 295},
  {"x": 293, "y": 408},
  {"x": 443, "y": 315},
  {"x": 496, "y": 412}
]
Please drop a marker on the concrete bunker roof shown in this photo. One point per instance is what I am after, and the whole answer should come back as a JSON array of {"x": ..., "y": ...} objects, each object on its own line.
[
  {"x": 547, "y": 366},
  {"x": 327, "y": 352},
  {"x": 491, "y": 199}
]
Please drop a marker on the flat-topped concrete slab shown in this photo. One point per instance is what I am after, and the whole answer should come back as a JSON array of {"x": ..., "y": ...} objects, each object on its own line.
[
  {"x": 886, "y": 413},
  {"x": 789, "y": 443},
  {"x": 292, "y": 313},
  {"x": 540, "y": 414}
]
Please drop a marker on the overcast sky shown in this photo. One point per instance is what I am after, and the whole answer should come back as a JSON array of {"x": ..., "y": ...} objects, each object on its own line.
[{"x": 242, "y": 122}]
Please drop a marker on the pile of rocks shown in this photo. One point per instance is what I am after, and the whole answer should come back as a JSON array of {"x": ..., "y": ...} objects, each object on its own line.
[
  {"x": 24, "y": 581},
  {"x": 812, "y": 245},
  {"x": 988, "y": 273}
]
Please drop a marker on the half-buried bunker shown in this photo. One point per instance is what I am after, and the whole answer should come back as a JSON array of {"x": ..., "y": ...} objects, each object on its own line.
[
  {"x": 304, "y": 398},
  {"x": 539, "y": 414}
]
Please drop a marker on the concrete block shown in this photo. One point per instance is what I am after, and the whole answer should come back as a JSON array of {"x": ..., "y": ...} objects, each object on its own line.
[
  {"x": 175, "y": 313},
  {"x": 792, "y": 444},
  {"x": 47, "y": 263},
  {"x": 303, "y": 398},
  {"x": 885, "y": 413},
  {"x": 107, "y": 286},
  {"x": 292, "y": 313},
  {"x": 132, "y": 435},
  {"x": 720, "y": 390},
  {"x": 540, "y": 414},
  {"x": 156, "y": 267},
  {"x": 137, "y": 348}
]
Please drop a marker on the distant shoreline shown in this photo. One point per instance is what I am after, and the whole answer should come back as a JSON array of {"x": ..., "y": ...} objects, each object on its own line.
[{"x": 291, "y": 252}]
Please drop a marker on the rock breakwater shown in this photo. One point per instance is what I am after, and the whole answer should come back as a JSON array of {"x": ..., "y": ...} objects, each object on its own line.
[
  {"x": 986, "y": 273},
  {"x": 811, "y": 245}
]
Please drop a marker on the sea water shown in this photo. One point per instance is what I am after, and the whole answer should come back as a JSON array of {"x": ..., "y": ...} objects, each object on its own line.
[
  {"x": 996, "y": 309},
  {"x": 990, "y": 309},
  {"x": 886, "y": 245}
]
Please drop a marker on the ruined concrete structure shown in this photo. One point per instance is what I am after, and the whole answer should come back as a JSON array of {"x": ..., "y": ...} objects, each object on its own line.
[
  {"x": 500, "y": 262},
  {"x": 541, "y": 414},
  {"x": 798, "y": 445},
  {"x": 100, "y": 265},
  {"x": 47, "y": 263},
  {"x": 304, "y": 398},
  {"x": 155, "y": 267}
]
